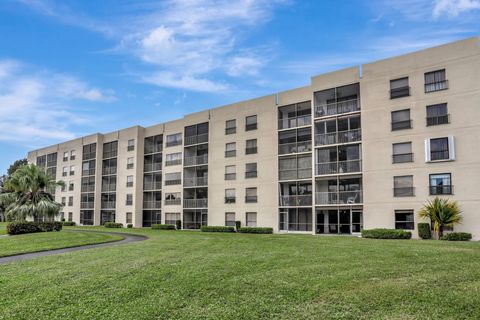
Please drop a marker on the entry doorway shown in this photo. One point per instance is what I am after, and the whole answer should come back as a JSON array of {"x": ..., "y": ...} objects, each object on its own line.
[{"x": 338, "y": 220}]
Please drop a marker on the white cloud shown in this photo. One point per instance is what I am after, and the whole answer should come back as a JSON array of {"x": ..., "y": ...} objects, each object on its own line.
[
  {"x": 36, "y": 105},
  {"x": 183, "y": 81},
  {"x": 453, "y": 8}
]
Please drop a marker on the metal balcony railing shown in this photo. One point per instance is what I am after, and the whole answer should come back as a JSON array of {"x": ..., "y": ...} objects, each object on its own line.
[
  {"x": 87, "y": 205},
  {"x": 251, "y": 199},
  {"x": 403, "y": 191},
  {"x": 172, "y": 202},
  {"x": 399, "y": 92},
  {"x": 173, "y": 182},
  {"x": 108, "y": 204},
  {"x": 152, "y": 167},
  {"x": 250, "y": 174},
  {"x": 295, "y": 173},
  {"x": 338, "y": 137},
  {"x": 436, "y": 86},
  {"x": 295, "y": 147},
  {"x": 196, "y": 160},
  {"x": 295, "y": 122},
  {"x": 339, "y": 167},
  {"x": 195, "y": 181},
  {"x": 195, "y": 203},
  {"x": 175, "y": 162},
  {"x": 109, "y": 170},
  {"x": 400, "y": 125},
  {"x": 152, "y": 204},
  {"x": 340, "y": 107},
  {"x": 251, "y": 150},
  {"x": 201, "y": 138},
  {"x": 295, "y": 200},
  {"x": 403, "y": 157},
  {"x": 230, "y": 199},
  {"x": 340, "y": 197},
  {"x": 88, "y": 172},
  {"x": 152, "y": 185},
  {"x": 437, "y": 120},
  {"x": 153, "y": 148},
  {"x": 439, "y": 190}
]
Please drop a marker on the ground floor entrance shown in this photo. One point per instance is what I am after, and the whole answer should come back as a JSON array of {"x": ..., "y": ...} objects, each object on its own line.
[{"x": 338, "y": 220}]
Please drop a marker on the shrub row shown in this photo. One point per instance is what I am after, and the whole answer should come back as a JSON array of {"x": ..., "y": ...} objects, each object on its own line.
[
  {"x": 255, "y": 230},
  {"x": 424, "y": 230},
  {"x": 386, "y": 234},
  {"x": 163, "y": 226},
  {"x": 113, "y": 225},
  {"x": 457, "y": 236},
  {"x": 217, "y": 229},
  {"x": 129, "y": 226},
  {"x": 32, "y": 227},
  {"x": 69, "y": 223}
]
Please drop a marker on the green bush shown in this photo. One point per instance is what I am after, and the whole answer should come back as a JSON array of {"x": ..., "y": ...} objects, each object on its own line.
[
  {"x": 386, "y": 234},
  {"x": 217, "y": 229},
  {"x": 163, "y": 226},
  {"x": 457, "y": 236},
  {"x": 178, "y": 223},
  {"x": 112, "y": 225},
  {"x": 238, "y": 225},
  {"x": 255, "y": 230},
  {"x": 424, "y": 230},
  {"x": 22, "y": 227},
  {"x": 69, "y": 223},
  {"x": 129, "y": 226}
]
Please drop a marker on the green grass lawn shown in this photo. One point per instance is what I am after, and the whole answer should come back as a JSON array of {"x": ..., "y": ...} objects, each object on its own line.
[
  {"x": 3, "y": 229},
  {"x": 34, "y": 242},
  {"x": 193, "y": 275}
]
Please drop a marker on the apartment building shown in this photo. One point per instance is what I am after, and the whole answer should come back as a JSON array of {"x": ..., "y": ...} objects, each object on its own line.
[{"x": 362, "y": 147}]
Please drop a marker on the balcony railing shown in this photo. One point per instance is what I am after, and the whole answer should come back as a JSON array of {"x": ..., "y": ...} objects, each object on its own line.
[
  {"x": 230, "y": 199},
  {"x": 251, "y": 126},
  {"x": 339, "y": 167},
  {"x": 404, "y": 192},
  {"x": 130, "y": 148},
  {"x": 109, "y": 170},
  {"x": 437, "y": 120},
  {"x": 86, "y": 205},
  {"x": 175, "y": 162},
  {"x": 231, "y": 130},
  {"x": 153, "y": 148},
  {"x": 296, "y": 173},
  {"x": 295, "y": 122},
  {"x": 402, "y": 157},
  {"x": 251, "y": 150},
  {"x": 109, "y": 187},
  {"x": 173, "y": 182},
  {"x": 88, "y": 172},
  {"x": 201, "y": 138},
  {"x": 438, "y": 190},
  {"x": 195, "y": 181},
  {"x": 174, "y": 143},
  {"x": 295, "y": 147},
  {"x": 436, "y": 86},
  {"x": 152, "y": 167},
  {"x": 251, "y": 199},
  {"x": 250, "y": 174},
  {"x": 296, "y": 200},
  {"x": 195, "y": 203},
  {"x": 400, "y": 125},
  {"x": 399, "y": 92},
  {"x": 230, "y": 153},
  {"x": 340, "y": 107},
  {"x": 173, "y": 202},
  {"x": 230, "y": 176},
  {"x": 196, "y": 160},
  {"x": 152, "y": 185},
  {"x": 341, "y": 197},
  {"x": 152, "y": 204},
  {"x": 109, "y": 154},
  {"x": 108, "y": 204},
  {"x": 338, "y": 137},
  {"x": 439, "y": 155},
  {"x": 88, "y": 188}
]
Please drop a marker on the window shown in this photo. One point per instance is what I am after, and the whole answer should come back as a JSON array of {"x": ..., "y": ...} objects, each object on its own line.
[
  {"x": 251, "y": 219},
  {"x": 230, "y": 219},
  {"x": 87, "y": 200},
  {"x": 172, "y": 217},
  {"x": 128, "y": 218},
  {"x": 64, "y": 201},
  {"x": 88, "y": 168},
  {"x": 296, "y": 140},
  {"x": 109, "y": 166},
  {"x": 196, "y": 134},
  {"x": 230, "y": 150},
  {"x": 440, "y": 149},
  {"x": 152, "y": 162},
  {"x": 131, "y": 145},
  {"x": 70, "y": 186},
  {"x": 86, "y": 217},
  {"x": 108, "y": 200},
  {"x": 401, "y": 120},
  {"x": 251, "y": 195},
  {"x": 52, "y": 159},
  {"x": 300, "y": 219},
  {"x": 109, "y": 183},
  {"x": 129, "y": 181},
  {"x": 295, "y": 115},
  {"x": 251, "y": 123},
  {"x": 89, "y": 151},
  {"x": 152, "y": 181},
  {"x": 42, "y": 161},
  {"x": 251, "y": 170},
  {"x": 173, "y": 159},
  {"x": 174, "y": 139},
  {"x": 441, "y": 184},
  {"x": 70, "y": 201},
  {"x": 435, "y": 81},
  {"x": 402, "y": 152},
  {"x": 153, "y": 144},
  {"x": 65, "y": 156},
  {"x": 70, "y": 216},
  {"x": 152, "y": 200},
  {"x": 72, "y": 170},
  {"x": 72, "y": 155},
  {"x": 129, "y": 199},
  {"x": 230, "y": 126},
  {"x": 230, "y": 173},
  {"x": 291, "y": 168},
  {"x": 173, "y": 198},
  {"x": 64, "y": 171},
  {"x": 110, "y": 149},
  {"x": 151, "y": 217},
  {"x": 230, "y": 196},
  {"x": 88, "y": 184},
  {"x": 404, "y": 219},
  {"x": 173, "y": 178},
  {"x": 251, "y": 146},
  {"x": 399, "y": 88},
  {"x": 130, "y": 163},
  {"x": 403, "y": 186},
  {"x": 437, "y": 114}
]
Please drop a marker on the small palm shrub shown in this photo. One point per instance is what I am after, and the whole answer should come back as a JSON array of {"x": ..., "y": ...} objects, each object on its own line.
[
  {"x": 442, "y": 213},
  {"x": 424, "y": 231}
]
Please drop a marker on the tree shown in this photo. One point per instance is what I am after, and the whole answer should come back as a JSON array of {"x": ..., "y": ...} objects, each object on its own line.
[
  {"x": 442, "y": 213},
  {"x": 26, "y": 195},
  {"x": 17, "y": 164}
]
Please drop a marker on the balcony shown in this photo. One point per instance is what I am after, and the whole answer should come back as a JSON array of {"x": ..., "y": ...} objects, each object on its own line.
[
  {"x": 251, "y": 199},
  {"x": 108, "y": 204},
  {"x": 195, "y": 203},
  {"x": 86, "y": 205},
  {"x": 250, "y": 174},
  {"x": 195, "y": 181},
  {"x": 400, "y": 125},
  {"x": 399, "y": 92},
  {"x": 437, "y": 120},
  {"x": 230, "y": 199},
  {"x": 153, "y": 148},
  {"x": 295, "y": 147},
  {"x": 402, "y": 158},
  {"x": 174, "y": 143},
  {"x": 109, "y": 170},
  {"x": 152, "y": 204},
  {"x": 173, "y": 202},
  {"x": 152, "y": 167},
  {"x": 89, "y": 188},
  {"x": 341, "y": 197},
  {"x": 404, "y": 192},
  {"x": 296, "y": 173},
  {"x": 294, "y": 122},
  {"x": 338, "y": 137},
  {"x": 296, "y": 200},
  {"x": 152, "y": 185},
  {"x": 88, "y": 172},
  {"x": 339, "y": 167},
  {"x": 436, "y": 86},
  {"x": 109, "y": 187},
  {"x": 230, "y": 153},
  {"x": 439, "y": 190},
  {"x": 196, "y": 160},
  {"x": 201, "y": 138},
  {"x": 173, "y": 182},
  {"x": 335, "y": 108},
  {"x": 175, "y": 162}
]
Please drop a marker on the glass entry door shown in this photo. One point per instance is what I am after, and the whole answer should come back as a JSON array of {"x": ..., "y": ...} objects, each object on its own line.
[{"x": 338, "y": 221}]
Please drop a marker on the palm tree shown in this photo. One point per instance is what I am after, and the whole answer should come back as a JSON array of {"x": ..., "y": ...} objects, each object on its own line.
[
  {"x": 25, "y": 194},
  {"x": 442, "y": 212}
]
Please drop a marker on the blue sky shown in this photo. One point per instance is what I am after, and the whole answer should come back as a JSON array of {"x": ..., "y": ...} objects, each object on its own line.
[{"x": 74, "y": 67}]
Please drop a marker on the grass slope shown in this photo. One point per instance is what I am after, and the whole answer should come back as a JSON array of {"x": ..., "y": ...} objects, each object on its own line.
[
  {"x": 192, "y": 275},
  {"x": 34, "y": 242}
]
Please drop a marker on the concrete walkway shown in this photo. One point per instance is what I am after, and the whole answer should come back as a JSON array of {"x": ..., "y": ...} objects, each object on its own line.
[{"x": 127, "y": 238}]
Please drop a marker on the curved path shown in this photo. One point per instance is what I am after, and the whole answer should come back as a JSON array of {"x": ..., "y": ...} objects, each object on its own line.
[{"x": 127, "y": 238}]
